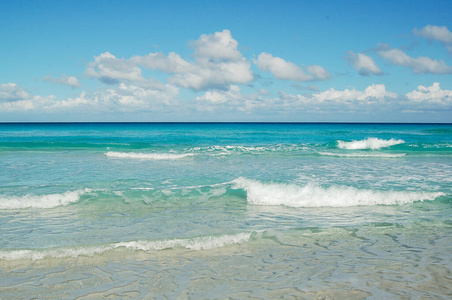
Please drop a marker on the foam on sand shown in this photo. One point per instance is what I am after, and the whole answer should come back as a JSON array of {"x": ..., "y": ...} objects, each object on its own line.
[{"x": 312, "y": 195}]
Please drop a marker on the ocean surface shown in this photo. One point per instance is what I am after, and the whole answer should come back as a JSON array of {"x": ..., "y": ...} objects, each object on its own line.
[{"x": 239, "y": 211}]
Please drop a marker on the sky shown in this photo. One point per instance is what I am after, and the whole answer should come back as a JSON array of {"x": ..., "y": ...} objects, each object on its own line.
[{"x": 225, "y": 61}]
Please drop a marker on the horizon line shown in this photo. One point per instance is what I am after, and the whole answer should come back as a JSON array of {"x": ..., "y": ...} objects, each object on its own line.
[{"x": 225, "y": 122}]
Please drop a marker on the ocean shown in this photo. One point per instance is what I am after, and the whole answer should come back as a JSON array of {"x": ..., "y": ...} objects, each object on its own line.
[{"x": 226, "y": 211}]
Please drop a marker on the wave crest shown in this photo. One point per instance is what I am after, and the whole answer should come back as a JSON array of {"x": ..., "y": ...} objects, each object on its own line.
[
  {"x": 370, "y": 143},
  {"x": 312, "y": 195},
  {"x": 199, "y": 243},
  {"x": 39, "y": 201}
]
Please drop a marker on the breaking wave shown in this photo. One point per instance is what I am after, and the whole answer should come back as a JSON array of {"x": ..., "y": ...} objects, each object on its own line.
[
  {"x": 156, "y": 156},
  {"x": 312, "y": 195},
  {"x": 39, "y": 201},
  {"x": 370, "y": 143},
  {"x": 198, "y": 243}
]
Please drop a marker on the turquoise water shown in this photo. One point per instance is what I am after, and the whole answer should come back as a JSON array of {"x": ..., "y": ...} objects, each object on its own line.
[{"x": 225, "y": 210}]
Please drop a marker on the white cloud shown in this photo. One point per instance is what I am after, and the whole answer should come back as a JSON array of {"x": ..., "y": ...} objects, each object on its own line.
[
  {"x": 71, "y": 81},
  {"x": 370, "y": 93},
  {"x": 132, "y": 96},
  {"x": 374, "y": 95},
  {"x": 439, "y": 33},
  {"x": 218, "y": 64},
  {"x": 111, "y": 70},
  {"x": 318, "y": 72},
  {"x": 214, "y": 75},
  {"x": 12, "y": 92},
  {"x": 123, "y": 98},
  {"x": 232, "y": 100},
  {"x": 172, "y": 63},
  {"x": 219, "y": 46},
  {"x": 419, "y": 65},
  {"x": 431, "y": 94},
  {"x": 286, "y": 70},
  {"x": 373, "y": 98},
  {"x": 219, "y": 96},
  {"x": 158, "y": 97},
  {"x": 31, "y": 104},
  {"x": 364, "y": 64}
]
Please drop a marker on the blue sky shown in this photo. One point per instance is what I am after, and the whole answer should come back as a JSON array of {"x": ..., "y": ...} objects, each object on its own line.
[{"x": 283, "y": 61}]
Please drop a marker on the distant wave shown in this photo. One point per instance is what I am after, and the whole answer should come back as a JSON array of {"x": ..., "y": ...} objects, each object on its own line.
[
  {"x": 156, "y": 156},
  {"x": 312, "y": 195},
  {"x": 383, "y": 155},
  {"x": 218, "y": 150},
  {"x": 39, "y": 201},
  {"x": 370, "y": 143},
  {"x": 441, "y": 146},
  {"x": 198, "y": 243}
]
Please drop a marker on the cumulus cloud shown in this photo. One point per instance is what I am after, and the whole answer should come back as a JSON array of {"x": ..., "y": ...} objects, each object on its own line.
[
  {"x": 71, "y": 81},
  {"x": 35, "y": 103},
  {"x": 438, "y": 33},
  {"x": 212, "y": 75},
  {"x": 419, "y": 65},
  {"x": 287, "y": 70},
  {"x": 233, "y": 100},
  {"x": 12, "y": 92},
  {"x": 362, "y": 63},
  {"x": 375, "y": 96},
  {"x": 372, "y": 98},
  {"x": 110, "y": 70},
  {"x": 318, "y": 72},
  {"x": 172, "y": 63},
  {"x": 370, "y": 93},
  {"x": 156, "y": 96},
  {"x": 122, "y": 98},
  {"x": 219, "y": 96},
  {"x": 219, "y": 46},
  {"x": 15, "y": 98},
  {"x": 217, "y": 64},
  {"x": 431, "y": 94}
]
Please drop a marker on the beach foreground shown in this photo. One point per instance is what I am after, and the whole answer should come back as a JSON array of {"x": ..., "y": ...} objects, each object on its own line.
[{"x": 194, "y": 211}]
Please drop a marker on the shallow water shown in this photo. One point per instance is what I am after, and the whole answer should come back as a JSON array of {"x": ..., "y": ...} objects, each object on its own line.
[{"x": 225, "y": 210}]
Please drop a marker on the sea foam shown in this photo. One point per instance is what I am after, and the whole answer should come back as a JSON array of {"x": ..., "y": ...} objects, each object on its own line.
[
  {"x": 370, "y": 143},
  {"x": 156, "y": 156},
  {"x": 383, "y": 155},
  {"x": 218, "y": 150},
  {"x": 198, "y": 243},
  {"x": 312, "y": 195},
  {"x": 39, "y": 201}
]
